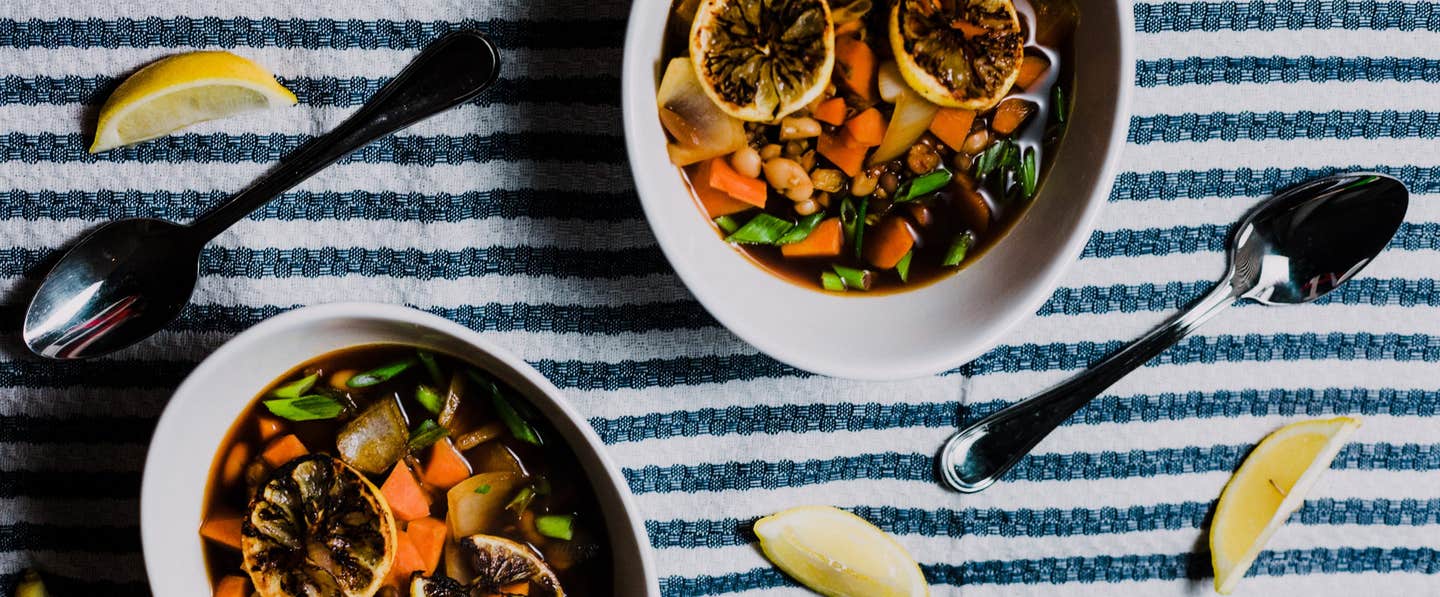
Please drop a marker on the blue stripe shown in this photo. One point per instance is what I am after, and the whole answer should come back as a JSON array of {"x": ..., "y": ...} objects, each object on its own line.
[
  {"x": 1256, "y": 126},
  {"x": 105, "y": 205},
  {"x": 1049, "y": 522},
  {"x": 246, "y": 262},
  {"x": 595, "y": 90},
  {"x": 830, "y": 417},
  {"x": 1250, "y": 182},
  {"x": 1211, "y": 238},
  {"x": 1233, "y": 70},
  {"x": 1108, "y": 569},
  {"x": 251, "y": 147},
  {"x": 311, "y": 34},
  {"x": 1087, "y": 466},
  {"x": 1266, "y": 16}
]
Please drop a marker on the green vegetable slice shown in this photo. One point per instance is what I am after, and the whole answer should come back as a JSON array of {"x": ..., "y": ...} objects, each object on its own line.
[
  {"x": 831, "y": 281},
  {"x": 556, "y": 526},
  {"x": 431, "y": 367},
  {"x": 380, "y": 374},
  {"x": 518, "y": 426},
  {"x": 918, "y": 187},
  {"x": 763, "y": 229},
  {"x": 426, "y": 435},
  {"x": 1029, "y": 173},
  {"x": 429, "y": 398},
  {"x": 860, "y": 229},
  {"x": 297, "y": 388},
  {"x": 903, "y": 267},
  {"x": 727, "y": 224},
  {"x": 305, "y": 408},
  {"x": 802, "y": 229},
  {"x": 849, "y": 219},
  {"x": 856, "y": 279},
  {"x": 522, "y": 500},
  {"x": 958, "y": 248},
  {"x": 1059, "y": 104}
]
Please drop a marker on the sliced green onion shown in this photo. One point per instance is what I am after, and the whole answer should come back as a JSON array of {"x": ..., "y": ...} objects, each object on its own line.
[
  {"x": 1029, "y": 174},
  {"x": 518, "y": 426},
  {"x": 903, "y": 267},
  {"x": 431, "y": 367},
  {"x": 849, "y": 220},
  {"x": 483, "y": 489},
  {"x": 958, "y": 248},
  {"x": 727, "y": 224},
  {"x": 1059, "y": 104},
  {"x": 556, "y": 526},
  {"x": 763, "y": 229},
  {"x": 426, "y": 435},
  {"x": 916, "y": 188},
  {"x": 1010, "y": 159},
  {"x": 802, "y": 229},
  {"x": 989, "y": 159},
  {"x": 522, "y": 500},
  {"x": 831, "y": 281},
  {"x": 297, "y": 388},
  {"x": 859, "y": 239},
  {"x": 855, "y": 279},
  {"x": 305, "y": 408},
  {"x": 429, "y": 398},
  {"x": 379, "y": 374}
]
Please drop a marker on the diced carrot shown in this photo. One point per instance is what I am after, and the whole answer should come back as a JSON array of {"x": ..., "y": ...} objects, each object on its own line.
[
  {"x": 824, "y": 241},
  {"x": 283, "y": 450},
  {"x": 952, "y": 126},
  {"x": 407, "y": 499},
  {"x": 519, "y": 588},
  {"x": 341, "y": 379},
  {"x": 831, "y": 111},
  {"x": 224, "y": 530},
  {"x": 407, "y": 560},
  {"x": 428, "y": 536},
  {"x": 887, "y": 242},
  {"x": 1031, "y": 67},
  {"x": 867, "y": 128},
  {"x": 1010, "y": 115},
  {"x": 232, "y": 471},
  {"x": 841, "y": 150},
  {"x": 724, "y": 178},
  {"x": 233, "y": 586},
  {"x": 445, "y": 466},
  {"x": 855, "y": 63},
  {"x": 716, "y": 203},
  {"x": 270, "y": 427}
]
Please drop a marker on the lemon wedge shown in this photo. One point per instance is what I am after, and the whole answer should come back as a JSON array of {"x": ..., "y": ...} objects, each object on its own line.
[
  {"x": 182, "y": 90},
  {"x": 839, "y": 554},
  {"x": 1269, "y": 486}
]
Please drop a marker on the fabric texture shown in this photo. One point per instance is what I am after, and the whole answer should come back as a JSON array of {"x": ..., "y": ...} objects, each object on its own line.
[{"x": 515, "y": 215}]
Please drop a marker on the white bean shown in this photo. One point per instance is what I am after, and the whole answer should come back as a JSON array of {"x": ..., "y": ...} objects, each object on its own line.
[{"x": 746, "y": 161}]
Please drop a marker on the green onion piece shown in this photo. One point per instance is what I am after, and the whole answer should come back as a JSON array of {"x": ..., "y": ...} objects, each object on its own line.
[
  {"x": 859, "y": 239},
  {"x": 849, "y": 220},
  {"x": 483, "y": 489},
  {"x": 903, "y": 267},
  {"x": 856, "y": 279},
  {"x": 832, "y": 282},
  {"x": 556, "y": 526},
  {"x": 989, "y": 159},
  {"x": 429, "y": 398},
  {"x": 522, "y": 500},
  {"x": 958, "y": 248},
  {"x": 727, "y": 224},
  {"x": 802, "y": 229},
  {"x": 426, "y": 435},
  {"x": 431, "y": 367},
  {"x": 305, "y": 408},
  {"x": 916, "y": 188},
  {"x": 379, "y": 374},
  {"x": 763, "y": 229},
  {"x": 297, "y": 388},
  {"x": 1010, "y": 159},
  {"x": 1029, "y": 173},
  {"x": 518, "y": 426},
  {"x": 1059, "y": 104}
]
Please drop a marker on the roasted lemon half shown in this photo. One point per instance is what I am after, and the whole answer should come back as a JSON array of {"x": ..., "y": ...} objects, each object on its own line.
[
  {"x": 958, "y": 53},
  {"x": 318, "y": 528},
  {"x": 760, "y": 60}
]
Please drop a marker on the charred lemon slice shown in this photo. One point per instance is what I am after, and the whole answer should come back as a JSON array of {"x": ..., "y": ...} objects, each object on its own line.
[
  {"x": 500, "y": 562},
  {"x": 760, "y": 60},
  {"x": 318, "y": 528},
  {"x": 958, "y": 53},
  {"x": 437, "y": 586}
]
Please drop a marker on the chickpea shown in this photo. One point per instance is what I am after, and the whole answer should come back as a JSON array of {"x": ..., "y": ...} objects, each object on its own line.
[
  {"x": 807, "y": 160},
  {"x": 770, "y": 152},
  {"x": 807, "y": 207},
  {"x": 788, "y": 177},
  {"x": 746, "y": 161},
  {"x": 827, "y": 179},
  {"x": 793, "y": 149},
  {"x": 976, "y": 142},
  {"x": 922, "y": 159},
  {"x": 864, "y": 183},
  {"x": 798, "y": 127},
  {"x": 888, "y": 182},
  {"x": 822, "y": 198}
]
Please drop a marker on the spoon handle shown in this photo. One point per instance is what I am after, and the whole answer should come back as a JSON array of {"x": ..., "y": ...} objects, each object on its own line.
[
  {"x": 976, "y": 456},
  {"x": 448, "y": 72}
]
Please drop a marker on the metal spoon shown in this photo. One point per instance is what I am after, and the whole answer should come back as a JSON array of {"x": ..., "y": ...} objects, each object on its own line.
[
  {"x": 128, "y": 279},
  {"x": 1294, "y": 248}
]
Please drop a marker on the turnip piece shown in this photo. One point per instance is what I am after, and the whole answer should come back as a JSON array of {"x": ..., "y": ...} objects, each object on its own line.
[{"x": 699, "y": 130}]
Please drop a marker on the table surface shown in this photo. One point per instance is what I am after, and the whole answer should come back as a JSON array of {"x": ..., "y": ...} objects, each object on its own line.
[{"x": 516, "y": 216}]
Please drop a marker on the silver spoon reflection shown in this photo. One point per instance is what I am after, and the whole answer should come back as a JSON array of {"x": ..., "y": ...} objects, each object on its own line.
[{"x": 1293, "y": 248}]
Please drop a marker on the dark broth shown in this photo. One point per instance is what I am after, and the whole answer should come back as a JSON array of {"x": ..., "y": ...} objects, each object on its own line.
[{"x": 582, "y": 564}]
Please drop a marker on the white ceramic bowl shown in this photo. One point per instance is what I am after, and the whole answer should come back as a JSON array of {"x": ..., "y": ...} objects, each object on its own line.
[
  {"x": 914, "y": 333},
  {"x": 215, "y": 394}
]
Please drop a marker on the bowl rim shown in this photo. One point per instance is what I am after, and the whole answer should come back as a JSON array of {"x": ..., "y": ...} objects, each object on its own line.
[
  {"x": 169, "y": 424},
  {"x": 1071, "y": 242}
]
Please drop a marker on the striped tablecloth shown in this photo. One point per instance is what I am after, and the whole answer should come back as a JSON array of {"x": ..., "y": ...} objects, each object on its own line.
[{"x": 516, "y": 216}]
